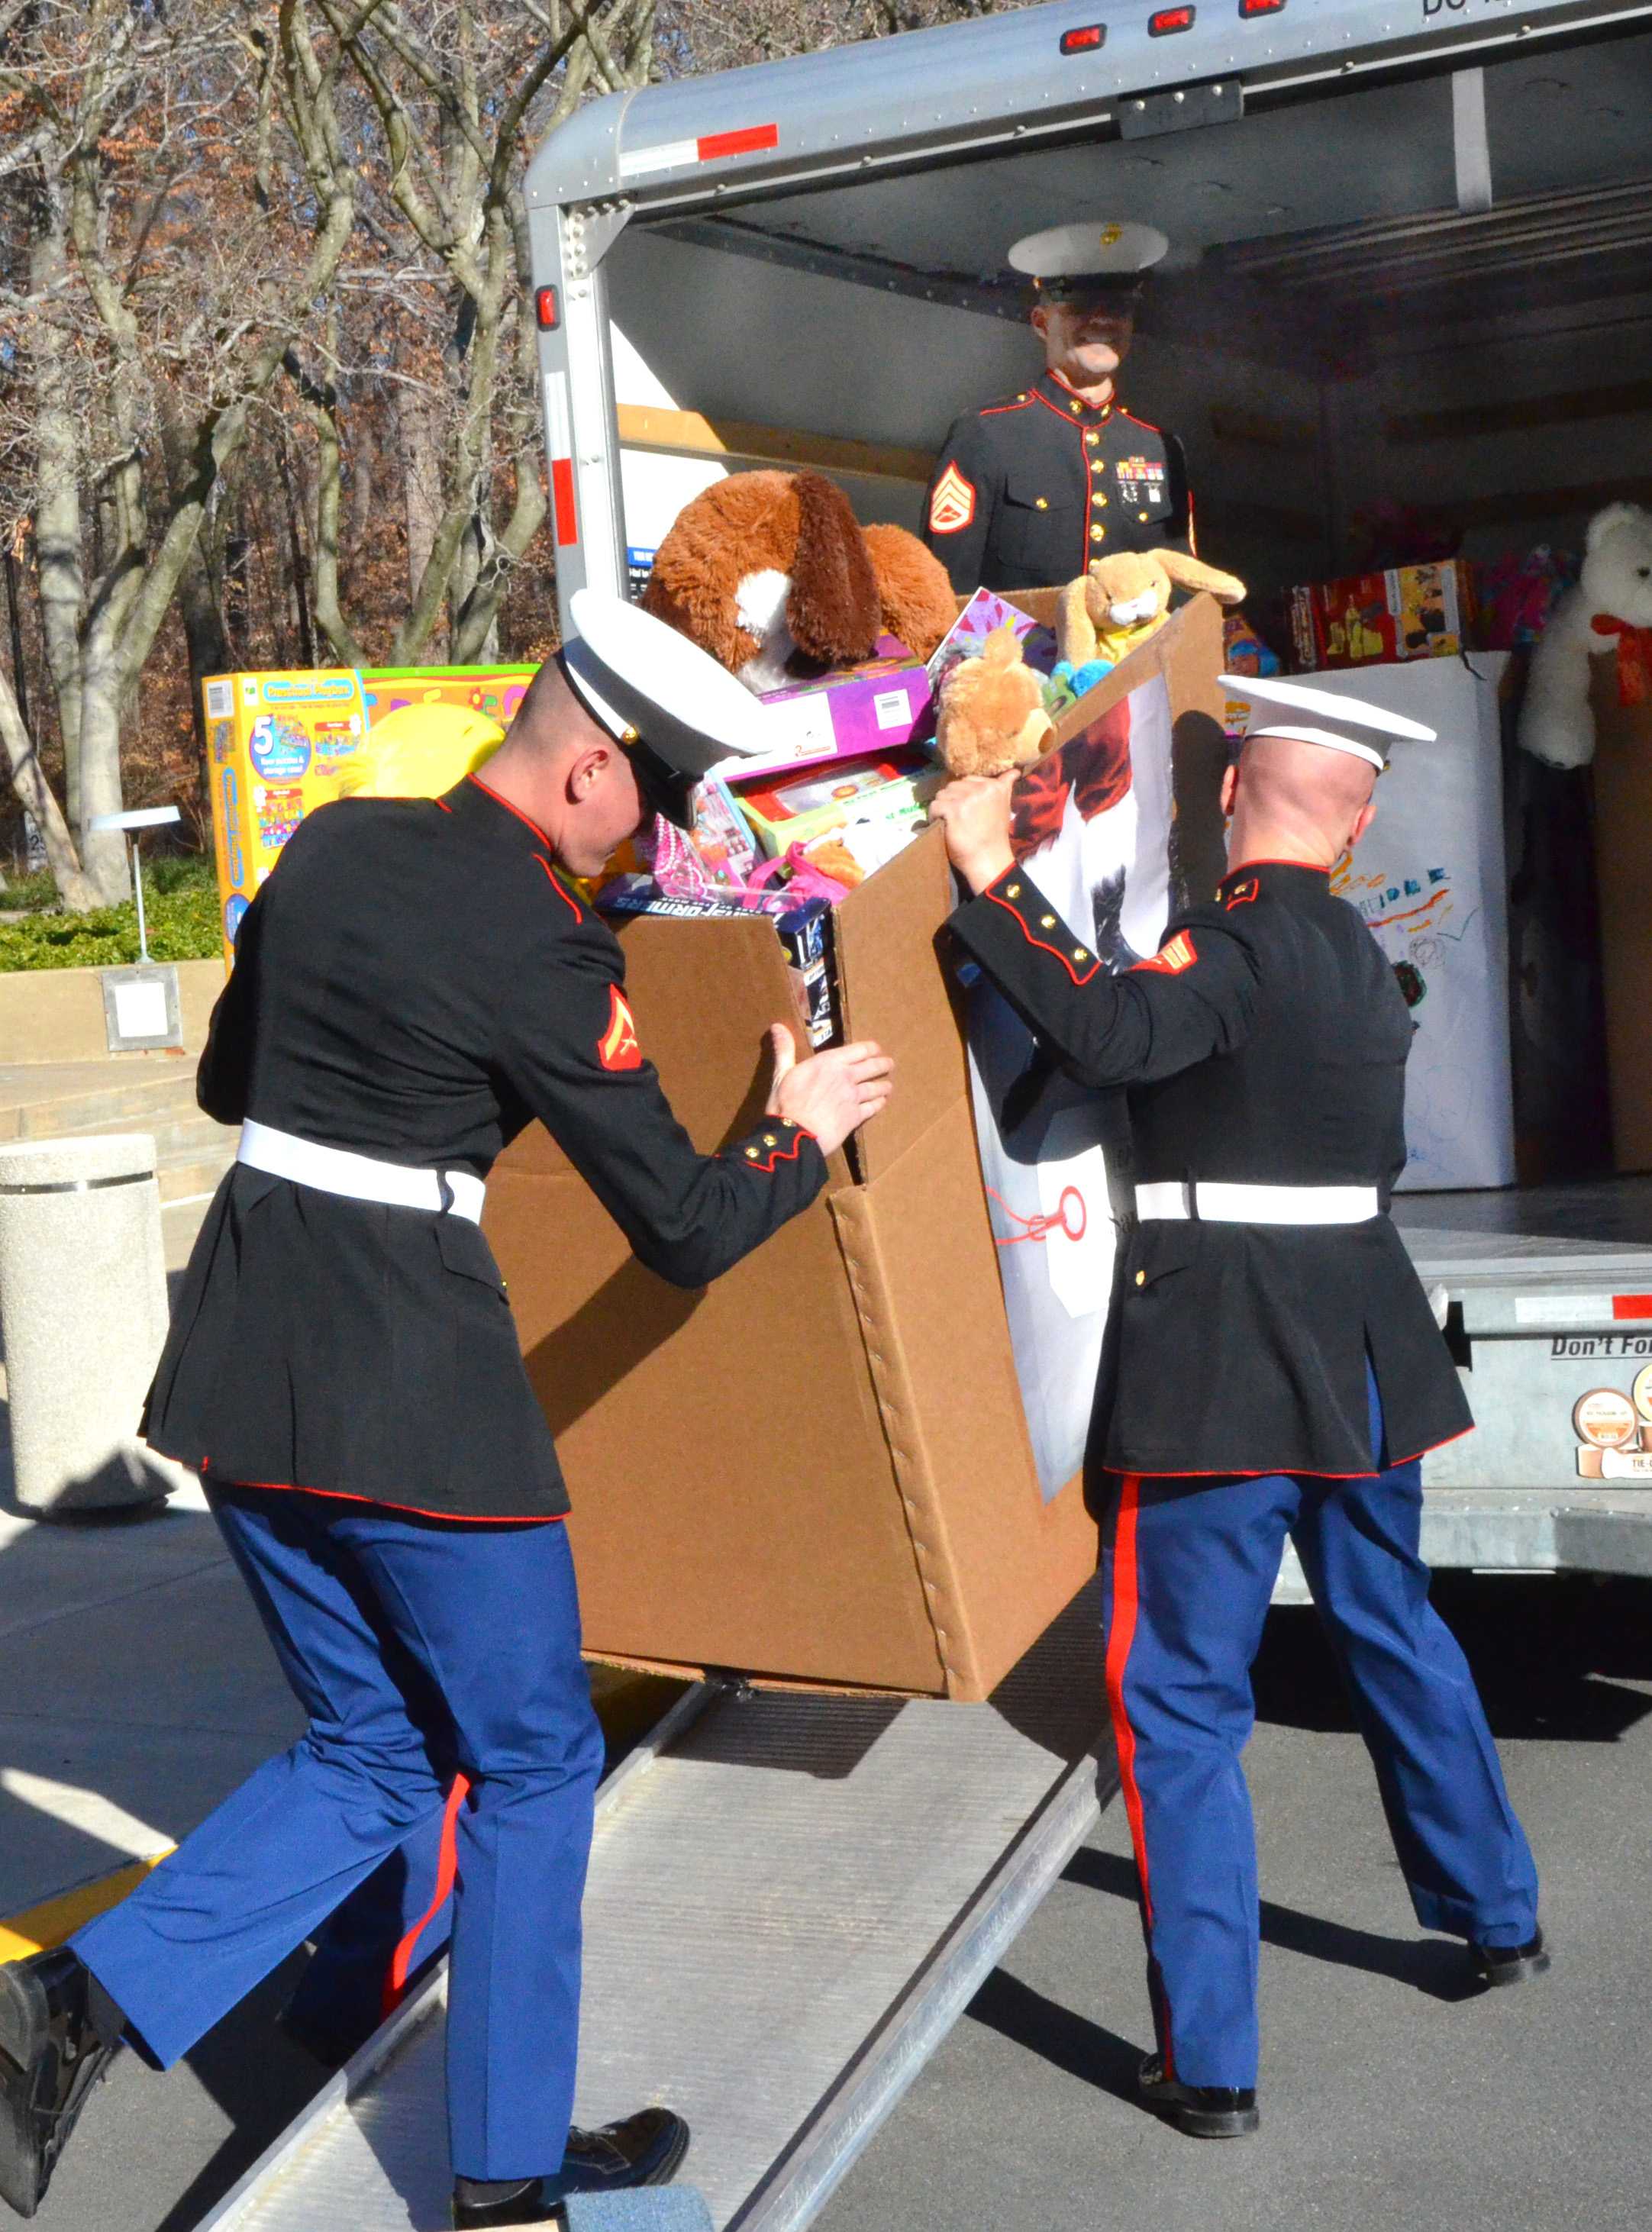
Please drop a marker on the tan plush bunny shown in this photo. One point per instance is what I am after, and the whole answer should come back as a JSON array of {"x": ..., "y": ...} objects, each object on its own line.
[
  {"x": 1110, "y": 610},
  {"x": 992, "y": 715}
]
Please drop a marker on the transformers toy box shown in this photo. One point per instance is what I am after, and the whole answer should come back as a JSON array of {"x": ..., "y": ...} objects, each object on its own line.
[
  {"x": 819, "y": 1470},
  {"x": 281, "y": 744}
]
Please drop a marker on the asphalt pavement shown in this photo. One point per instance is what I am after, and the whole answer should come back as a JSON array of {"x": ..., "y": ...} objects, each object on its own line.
[{"x": 1391, "y": 2102}]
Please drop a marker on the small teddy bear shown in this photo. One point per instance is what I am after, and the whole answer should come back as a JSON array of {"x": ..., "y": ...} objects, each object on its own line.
[
  {"x": 992, "y": 715},
  {"x": 1108, "y": 613},
  {"x": 1606, "y": 616}
]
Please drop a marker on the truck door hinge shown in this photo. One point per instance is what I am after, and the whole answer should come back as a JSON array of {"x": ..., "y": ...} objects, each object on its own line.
[{"x": 1189, "y": 108}]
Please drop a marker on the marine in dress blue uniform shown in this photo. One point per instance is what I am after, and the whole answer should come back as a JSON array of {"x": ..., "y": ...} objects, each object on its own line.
[
  {"x": 1032, "y": 486},
  {"x": 416, "y": 981},
  {"x": 1277, "y": 1374}
]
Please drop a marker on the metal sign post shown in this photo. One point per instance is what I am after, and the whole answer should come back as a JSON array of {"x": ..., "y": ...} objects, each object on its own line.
[{"x": 140, "y": 1006}]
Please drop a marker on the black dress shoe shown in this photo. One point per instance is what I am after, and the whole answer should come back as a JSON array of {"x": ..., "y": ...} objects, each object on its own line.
[
  {"x": 1204, "y": 2111},
  {"x": 1509, "y": 1965},
  {"x": 52, "y": 2053},
  {"x": 646, "y": 2148}
]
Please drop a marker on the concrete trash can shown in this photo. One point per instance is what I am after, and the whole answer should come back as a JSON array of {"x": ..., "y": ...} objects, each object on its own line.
[{"x": 83, "y": 1317}]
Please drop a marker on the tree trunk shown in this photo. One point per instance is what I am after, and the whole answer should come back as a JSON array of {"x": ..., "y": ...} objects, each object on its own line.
[
  {"x": 58, "y": 524},
  {"x": 363, "y": 460},
  {"x": 75, "y": 888},
  {"x": 103, "y": 851},
  {"x": 421, "y": 456}
]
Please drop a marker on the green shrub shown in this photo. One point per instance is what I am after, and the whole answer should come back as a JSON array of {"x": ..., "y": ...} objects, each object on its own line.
[{"x": 181, "y": 910}]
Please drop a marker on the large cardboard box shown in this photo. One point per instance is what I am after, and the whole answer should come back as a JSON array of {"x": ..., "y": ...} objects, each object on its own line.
[
  {"x": 1623, "y": 785},
  {"x": 817, "y": 1470}
]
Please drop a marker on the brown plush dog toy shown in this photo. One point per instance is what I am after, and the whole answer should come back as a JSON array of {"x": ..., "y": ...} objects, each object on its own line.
[
  {"x": 992, "y": 715},
  {"x": 763, "y": 566}
]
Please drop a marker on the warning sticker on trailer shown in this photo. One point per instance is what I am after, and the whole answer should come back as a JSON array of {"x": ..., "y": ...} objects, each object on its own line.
[{"x": 710, "y": 148}]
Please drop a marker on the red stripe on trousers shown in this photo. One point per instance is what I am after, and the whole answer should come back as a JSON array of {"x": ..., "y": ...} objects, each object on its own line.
[
  {"x": 446, "y": 1871},
  {"x": 1121, "y": 1634}
]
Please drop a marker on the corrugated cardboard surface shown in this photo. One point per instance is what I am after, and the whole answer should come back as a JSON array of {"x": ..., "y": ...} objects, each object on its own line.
[
  {"x": 998, "y": 1563},
  {"x": 818, "y": 1470},
  {"x": 1623, "y": 818}
]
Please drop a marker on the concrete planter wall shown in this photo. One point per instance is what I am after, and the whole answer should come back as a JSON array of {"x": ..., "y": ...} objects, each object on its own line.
[{"x": 56, "y": 1015}]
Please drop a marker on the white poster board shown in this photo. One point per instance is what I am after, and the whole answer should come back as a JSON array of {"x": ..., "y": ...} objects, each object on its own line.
[
  {"x": 1095, "y": 818},
  {"x": 1432, "y": 882}
]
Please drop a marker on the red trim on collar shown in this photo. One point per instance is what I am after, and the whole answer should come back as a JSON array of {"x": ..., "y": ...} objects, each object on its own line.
[
  {"x": 1078, "y": 395},
  {"x": 492, "y": 793},
  {"x": 1317, "y": 868},
  {"x": 560, "y": 888},
  {"x": 443, "y": 805}
]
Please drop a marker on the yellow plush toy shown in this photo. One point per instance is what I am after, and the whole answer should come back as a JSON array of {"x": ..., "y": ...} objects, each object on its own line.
[
  {"x": 1110, "y": 611},
  {"x": 420, "y": 751},
  {"x": 992, "y": 715}
]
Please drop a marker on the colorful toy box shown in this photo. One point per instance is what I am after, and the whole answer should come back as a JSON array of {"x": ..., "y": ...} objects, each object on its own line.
[
  {"x": 868, "y": 708},
  {"x": 1410, "y": 612},
  {"x": 282, "y": 744}
]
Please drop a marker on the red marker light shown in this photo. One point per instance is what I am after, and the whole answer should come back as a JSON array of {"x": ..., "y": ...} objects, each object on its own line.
[
  {"x": 1249, "y": 8},
  {"x": 1088, "y": 39},
  {"x": 1169, "y": 19},
  {"x": 545, "y": 309}
]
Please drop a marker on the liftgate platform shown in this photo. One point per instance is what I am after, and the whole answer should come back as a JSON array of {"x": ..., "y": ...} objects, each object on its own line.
[{"x": 792, "y": 1897}]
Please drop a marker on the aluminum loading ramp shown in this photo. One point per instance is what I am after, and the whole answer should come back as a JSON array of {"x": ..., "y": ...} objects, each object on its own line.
[{"x": 791, "y": 1899}]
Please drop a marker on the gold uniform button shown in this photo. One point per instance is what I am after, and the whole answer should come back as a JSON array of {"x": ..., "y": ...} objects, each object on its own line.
[
  {"x": 1098, "y": 503},
  {"x": 1092, "y": 439},
  {"x": 769, "y": 1140},
  {"x": 1046, "y": 922},
  {"x": 1140, "y": 1278},
  {"x": 1041, "y": 503},
  {"x": 1012, "y": 890},
  {"x": 1098, "y": 535},
  {"x": 1079, "y": 953},
  {"x": 1074, "y": 408},
  {"x": 1142, "y": 515},
  {"x": 751, "y": 1154}
]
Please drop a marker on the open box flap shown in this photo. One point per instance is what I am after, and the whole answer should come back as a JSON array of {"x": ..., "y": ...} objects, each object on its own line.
[{"x": 895, "y": 988}]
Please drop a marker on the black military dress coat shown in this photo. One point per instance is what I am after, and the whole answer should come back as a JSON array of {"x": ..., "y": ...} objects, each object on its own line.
[
  {"x": 414, "y": 982},
  {"x": 1266, "y": 1044},
  {"x": 1029, "y": 489}
]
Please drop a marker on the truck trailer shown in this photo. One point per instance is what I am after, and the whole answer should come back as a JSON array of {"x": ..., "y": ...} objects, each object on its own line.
[{"x": 1411, "y": 259}]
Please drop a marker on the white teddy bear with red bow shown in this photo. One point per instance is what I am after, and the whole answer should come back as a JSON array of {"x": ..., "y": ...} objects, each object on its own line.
[{"x": 1607, "y": 615}]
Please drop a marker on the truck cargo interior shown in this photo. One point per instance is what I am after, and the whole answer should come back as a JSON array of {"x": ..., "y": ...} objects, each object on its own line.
[{"x": 1411, "y": 308}]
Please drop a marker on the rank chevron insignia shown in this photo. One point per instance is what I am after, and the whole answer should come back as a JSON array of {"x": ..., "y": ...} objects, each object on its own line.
[
  {"x": 617, "y": 1048},
  {"x": 953, "y": 505},
  {"x": 1170, "y": 960}
]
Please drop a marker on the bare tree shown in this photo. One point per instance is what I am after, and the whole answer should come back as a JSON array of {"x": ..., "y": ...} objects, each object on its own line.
[
  {"x": 697, "y": 36},
  {"x": 180, "y": 195},
  {"x": 460, "y": 90}
]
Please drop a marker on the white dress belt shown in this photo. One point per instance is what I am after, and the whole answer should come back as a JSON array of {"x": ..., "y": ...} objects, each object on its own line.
[
  {"x": 1219, "y": 1203},
  {"x": 359, "y": 1177}
]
